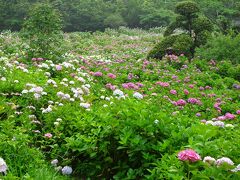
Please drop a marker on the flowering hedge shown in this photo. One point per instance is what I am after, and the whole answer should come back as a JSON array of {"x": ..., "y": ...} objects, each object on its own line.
[{"x": 107, "y": 112}]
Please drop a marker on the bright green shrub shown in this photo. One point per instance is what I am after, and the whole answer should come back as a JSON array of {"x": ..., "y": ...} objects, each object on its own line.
[
  {"x": 221, "y": 47},
  {"x": 178, "y": 44},
  {"x": 42, "y": 30}
]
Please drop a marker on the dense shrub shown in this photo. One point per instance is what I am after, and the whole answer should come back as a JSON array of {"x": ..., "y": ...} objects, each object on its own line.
[
  {"x": 221, "y": 47},
  {"x": 176, "y": 44},
  {"x": 114, "y": 21},
  {"x": 42, "y": 30}
]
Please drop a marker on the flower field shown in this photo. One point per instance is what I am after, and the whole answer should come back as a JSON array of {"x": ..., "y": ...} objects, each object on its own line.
[{"x": 103, "y": 111}]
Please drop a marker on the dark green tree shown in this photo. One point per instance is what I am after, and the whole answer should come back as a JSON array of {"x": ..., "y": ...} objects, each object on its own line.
[{"x": 192, "y": 23}]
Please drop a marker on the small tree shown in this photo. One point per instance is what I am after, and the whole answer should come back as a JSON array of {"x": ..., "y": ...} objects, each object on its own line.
[
  {"x": 42, "y": 29},
  {"x": 196, "y": 26}
]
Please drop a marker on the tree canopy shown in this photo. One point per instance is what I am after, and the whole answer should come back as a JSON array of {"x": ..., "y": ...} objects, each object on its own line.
[{"x": 93, "y": 15}]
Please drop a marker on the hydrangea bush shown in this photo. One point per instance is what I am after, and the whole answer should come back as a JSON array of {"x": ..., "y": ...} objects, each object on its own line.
[{"x": 106, "y": 112}]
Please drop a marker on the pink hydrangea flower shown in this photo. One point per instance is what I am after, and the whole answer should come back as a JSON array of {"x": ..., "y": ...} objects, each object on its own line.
[
  {"x": 238, "y": 112},
  {"x": 48, "y": 135},
  {"x": 186, "y": 92},
  {"x": 189, "y": 155},
  {"x": 173, "y": 91},
  {"x": 229, "y": 116},
  {"x": 98, "y": 74},
  {"x": 39, "y": 59},
  {"x": 191, "y": 86},
  {"x": 110, "y": 86},
  {"x": 194, "y": 101},
  {"x": 112, "y": 76},
  {"x": 163, "y": 84},
  {"x": 181, "y": 102}
]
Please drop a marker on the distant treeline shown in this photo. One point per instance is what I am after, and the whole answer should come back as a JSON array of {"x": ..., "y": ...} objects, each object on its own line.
[{"x": 93, "y": 15}]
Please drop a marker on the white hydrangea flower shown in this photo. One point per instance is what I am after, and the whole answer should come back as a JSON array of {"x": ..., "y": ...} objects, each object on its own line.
[
  {"x": 24, "y": 91},
  {"x": 236, "y": 169},
  {"x": 47, "y": 74},
  {"x": 156, "y": 121},
  {"x": 3, "y": 166},
  {"x": 81, "y": 79},
  {"x": 37, "y": 96},
  {"x": 54, "y": 162},
  {"x": 85, "y": 105},
  {"x": 107, "y": 99},
  {"x": 3, "y": 79},
  {"x": 66, "y": 170},
  {"x": 209, "y": 159},
  {"x": 218, "y": 123},
  {"x": 229, "y": 126},
  {"x": 118, "y": 92},
  {"x": 138, "y": 95},
  {"x": 223, "y": 160}
]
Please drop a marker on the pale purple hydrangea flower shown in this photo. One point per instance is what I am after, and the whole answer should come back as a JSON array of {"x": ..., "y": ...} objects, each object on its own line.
[
  {"x": 3, "y": 166},
  {"x": 66, "y": 170},
  {"x": 224, "y": 160}
]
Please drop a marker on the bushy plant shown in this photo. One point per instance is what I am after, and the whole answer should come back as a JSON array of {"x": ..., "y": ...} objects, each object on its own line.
[
  {"x": 42, "y": 30},
  {"x": 221, "y": 47},
  {"x": 114, "y": 21},
  {"x": 176, "y": 44}
]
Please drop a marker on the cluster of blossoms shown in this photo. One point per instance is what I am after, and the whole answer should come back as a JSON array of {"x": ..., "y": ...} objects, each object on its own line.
[
  {"x": 219, "y": 120},
  {"x": 47, "y": 110},
  {"x": 112, "y": 76},
  {"x": 189, "y": 155},
  {"x": 98, "y": 74},
  {"x": 172, "y": 58},
  {"x": 85, "y": 105},
  {"x": 180, "y": 102},
  {"x": 221, "y": 161},
  {"x": 110, "y": 86},
  {"x": 192, "y": 156},
  {"x": 138, "y": 95},
  {"x": 37, "y": 59},
  {"x": 163, "y": 84},
  {"x": 52, "y": 82},
  {"x": 130, "y": 85},
  {"x": 194, "y": 101},
  {"x": 118, "y": 93},
  {"x": 57, "y": 122},
  {"x": 37, "y": 90},
  {"x": 66, "y": 170},
  {"x": 3, "y": 166},
  {"x": 64, "y": 96}
]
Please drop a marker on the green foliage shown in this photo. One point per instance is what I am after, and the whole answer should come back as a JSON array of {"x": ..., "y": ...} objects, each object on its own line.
[
  {"x": 116, "y": 137},
  {"x": 197, "y": 28},
  {"x": 158, "y": 18},
  {"x": 221, "y": 47},
  {"x": 187, "y": 9},
  {"x": 176, "y": 44},
  {"x": 42, "y": 29},
  {"x": 114, "y": 21}
]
